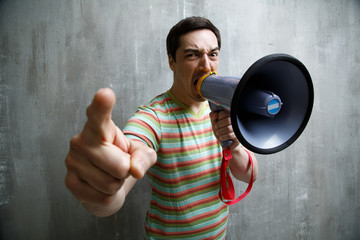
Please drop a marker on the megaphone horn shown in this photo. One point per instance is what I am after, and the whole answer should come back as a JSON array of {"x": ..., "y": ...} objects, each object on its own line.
[{"x": 270, "y": 105}]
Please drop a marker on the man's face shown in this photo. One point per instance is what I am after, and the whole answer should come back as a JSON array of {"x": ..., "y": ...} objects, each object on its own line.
[{"x": 197, "y": 55}]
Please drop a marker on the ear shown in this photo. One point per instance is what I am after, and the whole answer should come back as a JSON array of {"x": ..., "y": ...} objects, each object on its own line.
[{"x": 171, "y": 62}]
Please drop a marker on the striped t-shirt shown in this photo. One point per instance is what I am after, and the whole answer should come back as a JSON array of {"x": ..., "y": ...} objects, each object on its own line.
[{"x": 185, "y": 178}]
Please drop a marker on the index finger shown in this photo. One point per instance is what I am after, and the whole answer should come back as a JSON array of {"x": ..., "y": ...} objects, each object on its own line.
[
  {"x": 223, "y": 119},
  {"x": 99, "y": 113},
  {"x": 223, "y": 114}
]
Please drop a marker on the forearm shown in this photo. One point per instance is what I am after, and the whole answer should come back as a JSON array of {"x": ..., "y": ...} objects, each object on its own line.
[{"x": 240, "y": 164}]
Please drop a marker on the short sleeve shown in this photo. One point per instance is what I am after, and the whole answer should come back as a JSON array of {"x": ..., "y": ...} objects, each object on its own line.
[{"x": 144, "y": 126}]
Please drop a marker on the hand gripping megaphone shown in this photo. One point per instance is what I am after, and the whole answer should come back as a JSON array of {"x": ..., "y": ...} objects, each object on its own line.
[{"x": 270, "y": 106}]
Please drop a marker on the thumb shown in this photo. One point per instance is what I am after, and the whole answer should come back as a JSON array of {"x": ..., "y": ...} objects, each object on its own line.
[
  {"x": 142, "y": 158},
  {"x": 99, "y": 115}
]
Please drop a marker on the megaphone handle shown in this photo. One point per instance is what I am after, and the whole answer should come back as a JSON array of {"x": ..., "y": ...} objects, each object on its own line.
[{"x": 217, "y": 108}]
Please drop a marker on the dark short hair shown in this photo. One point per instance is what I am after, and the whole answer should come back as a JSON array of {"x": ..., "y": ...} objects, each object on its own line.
[{"x": 187, "y": 25}]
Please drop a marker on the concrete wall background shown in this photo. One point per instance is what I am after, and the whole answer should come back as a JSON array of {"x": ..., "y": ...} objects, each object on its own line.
[{"x": 54, "y": 55}]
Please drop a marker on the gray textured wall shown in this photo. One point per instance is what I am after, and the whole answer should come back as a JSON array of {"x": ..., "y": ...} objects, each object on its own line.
[{"x": 54, "y": 55}]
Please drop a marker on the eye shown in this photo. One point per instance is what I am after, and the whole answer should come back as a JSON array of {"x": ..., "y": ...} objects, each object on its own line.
[
  {"x": 214, "y": 55},
  {"x": 192, "y": 55}
]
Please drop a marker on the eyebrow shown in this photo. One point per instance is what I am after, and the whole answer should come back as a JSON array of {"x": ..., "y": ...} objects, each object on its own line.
[{"x": 197, "y": 50}]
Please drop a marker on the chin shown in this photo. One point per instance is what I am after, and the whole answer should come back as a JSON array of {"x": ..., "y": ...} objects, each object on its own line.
[{"x": 198, "y": 98}]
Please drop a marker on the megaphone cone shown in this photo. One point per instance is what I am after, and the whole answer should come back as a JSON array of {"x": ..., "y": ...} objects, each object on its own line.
[{"x": 270, "y": 105}]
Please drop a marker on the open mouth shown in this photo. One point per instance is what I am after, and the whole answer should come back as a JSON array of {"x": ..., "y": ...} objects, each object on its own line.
[
  {"x": 201, "y": 78},
  {"x": 195, "y": 84}
]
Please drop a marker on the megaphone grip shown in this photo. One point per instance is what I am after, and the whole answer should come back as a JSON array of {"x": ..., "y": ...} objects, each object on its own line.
[
  {"x": 226, "y": 143},
  {"x": 217, "y": 108}
]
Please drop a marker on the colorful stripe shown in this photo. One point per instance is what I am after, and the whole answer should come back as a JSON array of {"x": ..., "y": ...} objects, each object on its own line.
[{"x": 185, "y": 178}]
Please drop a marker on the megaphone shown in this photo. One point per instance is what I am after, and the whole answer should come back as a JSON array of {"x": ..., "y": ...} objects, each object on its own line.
[{"x": 270, "y": 105}]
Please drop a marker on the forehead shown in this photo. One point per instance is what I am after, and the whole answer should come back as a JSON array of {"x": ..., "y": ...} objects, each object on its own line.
[{"x": 203, "y": 39}]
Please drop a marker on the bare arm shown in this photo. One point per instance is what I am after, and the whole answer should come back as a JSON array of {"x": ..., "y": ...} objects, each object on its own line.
[{"x": 240, "y": 165}]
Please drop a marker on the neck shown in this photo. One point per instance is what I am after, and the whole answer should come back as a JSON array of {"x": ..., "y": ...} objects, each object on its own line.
[{"x": 194, "y": 105}]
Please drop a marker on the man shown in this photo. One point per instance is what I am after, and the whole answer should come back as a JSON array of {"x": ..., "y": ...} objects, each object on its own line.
[{"x": 171, "y": 139}]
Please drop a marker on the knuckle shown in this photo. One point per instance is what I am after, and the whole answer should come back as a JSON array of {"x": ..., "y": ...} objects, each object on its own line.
[
  {"x": 72, "y": 183},
  {"x": 224, "y": 114},
  {"x": 153, "y": 155},
  {"x": 119, "y": 164},
  {"x": 70, "y": 162},
  {"x": 88, "y": 111},
  {"x": 75, "y": 143},
  {"x": 229, "y": 129},
  {"x": 122, "y": 169},
  {"x": 145, "y": 160},
  {"x": 79, "y": 149}
]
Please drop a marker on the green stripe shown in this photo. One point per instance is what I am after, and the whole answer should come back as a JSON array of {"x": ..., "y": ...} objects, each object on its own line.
[
  {"x": 185, "y": 225},
  {"x": 196, "y": 208},
  {"x": 182, "y": 169},
  {"x": 191, "y": 195},
  {"x": 186, "y": 182},
  {"x": 176, "y": 140},
  {"x": 188, "y": 153},
  {"x": 196, "y": 234}
]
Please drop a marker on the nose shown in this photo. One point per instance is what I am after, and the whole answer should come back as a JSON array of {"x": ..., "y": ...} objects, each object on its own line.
[{"x": 204, "y": 64}]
